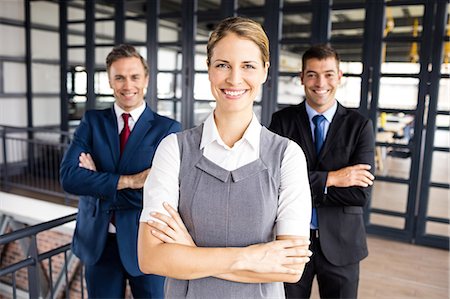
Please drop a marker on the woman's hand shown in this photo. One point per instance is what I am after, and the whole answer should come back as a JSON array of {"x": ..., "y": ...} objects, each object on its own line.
[
  {"x": 172, "y": 228},
  {"x": 280, "y": 256}
]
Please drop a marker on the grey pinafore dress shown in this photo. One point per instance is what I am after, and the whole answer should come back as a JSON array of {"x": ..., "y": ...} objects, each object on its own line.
[{"x": 222, "y": 208}]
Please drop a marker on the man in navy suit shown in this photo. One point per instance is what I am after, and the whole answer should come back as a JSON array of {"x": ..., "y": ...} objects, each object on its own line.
[
  {"x": 339, "y": 148},
  {"x": 106, "y": 164}
]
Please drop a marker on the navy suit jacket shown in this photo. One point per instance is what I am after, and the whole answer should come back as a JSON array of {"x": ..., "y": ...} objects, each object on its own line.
[
  {"x": 97, "y": 134},
  {"x": 349, "y": 141}
]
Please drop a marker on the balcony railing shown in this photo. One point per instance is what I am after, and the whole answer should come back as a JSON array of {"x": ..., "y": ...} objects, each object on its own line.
[
  {"x": 55, "y": 273},
  {"x": 30, "y": 159}
]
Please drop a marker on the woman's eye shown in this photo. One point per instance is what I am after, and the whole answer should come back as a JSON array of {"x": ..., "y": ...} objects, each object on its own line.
[{"x": 221, "y": 65}]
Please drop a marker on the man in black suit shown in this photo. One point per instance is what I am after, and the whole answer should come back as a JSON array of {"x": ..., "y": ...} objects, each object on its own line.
[{"x": 339, "y": 147}]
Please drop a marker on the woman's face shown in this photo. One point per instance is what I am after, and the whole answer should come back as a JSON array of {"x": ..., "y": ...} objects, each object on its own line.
[{"x": 236, "y": 73}]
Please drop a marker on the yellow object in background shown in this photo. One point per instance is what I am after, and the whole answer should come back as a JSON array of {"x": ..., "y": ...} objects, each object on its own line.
[{"x": 383, "y": 119}]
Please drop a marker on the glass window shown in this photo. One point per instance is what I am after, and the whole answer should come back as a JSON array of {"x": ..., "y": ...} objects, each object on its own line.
[
  {"x": 442, "y": 138},
  {"x": 296, "y": 25},
  {"x": 168, "y": 59},
  {"x": 80, "y": 79},
  {"x": 202, "y": 110},
  {"x": 168, "y": 32},
  {"x": 101, "y": 52},
  {"x": 438, "y": 203},
  {"x": 444, "y": 95},
  {"x": 297, "y": 1},
  {"x": 46, "y": 111},
  {"x": 202, "y": 87},
  {"x": 402, "y": 22},
  {"x": 440, "y": 172},
  {"x": 135, "y": 31},
  {"x": 400, "y": 68},
  {"x": 387, "y": 220},
  {"x": 104, "y": 11},
  {"x": 206, "y": 6},
  {"x": 135, "y": 8},
  {"x": 170, "y": 6},
  {"x": 75, "y": 12},
  {"x": 399, "y": 125},
  {"x": 350, "y": 53},
  {"x": 347, "y": 23},
  {"x": 290, "y": 90},
  {"x": 104, "y": 32},
  {"x": 437, "y": 228},
  {"x": 349, "y": 92},
  {"x": 75, "y": 35},
  {"x": 395, "y": 52},
  {"x": 101, "y": 85},
  {"x": 203, "y": 31},
  {"x": 44, "y": 77},
  {"x": 76, "y": 56},
  {"x": 44, "y": 44},
  {"x": 348, "y": 67},
  {"x": 166, "y": 108},
  {"x": 399, "y": 19},
  {"x": 246, "y": 3},
  {"x": 166, "y": 85},
  {"x": 382, "y": 198},
  {"x": 392, "y": 161},
  {"x": 44, "y": 12},
  {"x": 104, "y": 102},
  {"x": 200, "y": 58},
  {"x": 398, "y": 93},
  {"x": 15, "y": 81},
  {"x": 77, "y": 107},
  {"x": 290, "y": 61},
  {"x": 13, "y": 40},
  {"x": 12, "y": 10}
]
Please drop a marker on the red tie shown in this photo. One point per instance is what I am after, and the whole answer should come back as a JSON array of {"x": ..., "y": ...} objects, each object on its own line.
[
  {"x": 123, "y": 141},
  {"x": 125, "y": 132}
]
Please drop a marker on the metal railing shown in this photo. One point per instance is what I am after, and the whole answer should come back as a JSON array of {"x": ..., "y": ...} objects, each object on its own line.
[
  {"x": 30, "y": 159},
  {"x": 50, "y": 274}
]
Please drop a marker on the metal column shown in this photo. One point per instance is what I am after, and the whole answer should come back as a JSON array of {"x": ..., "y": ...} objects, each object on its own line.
[{"x": 189, "y": 15}]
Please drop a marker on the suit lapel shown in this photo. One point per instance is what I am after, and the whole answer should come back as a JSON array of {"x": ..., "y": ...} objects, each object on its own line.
[
  {"x": 142, "y": 126},
  {"x": 112, "y": 135},
  {"x": 306, "y": 140},
  {"x": 333, "y": 130}
]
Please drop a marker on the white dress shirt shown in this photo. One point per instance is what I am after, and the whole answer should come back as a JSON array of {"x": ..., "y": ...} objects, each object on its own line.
[
  {"x": 135, "y": 114},
  {"x": 294, "y": 203},
  {"x": 329, "y": 114}
]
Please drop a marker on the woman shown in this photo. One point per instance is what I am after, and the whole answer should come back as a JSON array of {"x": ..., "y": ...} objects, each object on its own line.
[{"x": 237, "y": 188}]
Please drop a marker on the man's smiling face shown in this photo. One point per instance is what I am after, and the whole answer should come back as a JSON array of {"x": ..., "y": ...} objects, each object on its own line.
[
  {"x": 128, "y": 80},
  {"x": 321, "y": 78}
]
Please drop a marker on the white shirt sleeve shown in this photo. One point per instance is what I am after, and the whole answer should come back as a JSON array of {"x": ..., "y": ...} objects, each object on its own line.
[
  {"x": 162, "y": 183},
  {"x": 294, "y": 203}
]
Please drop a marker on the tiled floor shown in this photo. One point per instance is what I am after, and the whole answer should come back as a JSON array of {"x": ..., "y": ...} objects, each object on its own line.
[{"x": 397, "y": 270}]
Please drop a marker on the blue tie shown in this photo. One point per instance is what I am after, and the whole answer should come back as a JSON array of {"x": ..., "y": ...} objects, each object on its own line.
[
  {"x": 318, "y": 132},
  {"x": 318, "y": 142}
]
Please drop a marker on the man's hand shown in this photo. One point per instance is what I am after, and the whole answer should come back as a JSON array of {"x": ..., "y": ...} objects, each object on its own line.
[
  {"x": 133, "y": 181},
  {"x": 86, "y": 161},
  {"x": 351, "y": 176}
]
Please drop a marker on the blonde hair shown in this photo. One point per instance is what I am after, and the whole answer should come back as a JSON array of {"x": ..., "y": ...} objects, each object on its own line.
[{"x": 244, "y": 28}]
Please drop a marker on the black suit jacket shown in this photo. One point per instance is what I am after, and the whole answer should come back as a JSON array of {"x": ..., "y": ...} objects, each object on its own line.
[{"x": 349, "y": 141}]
